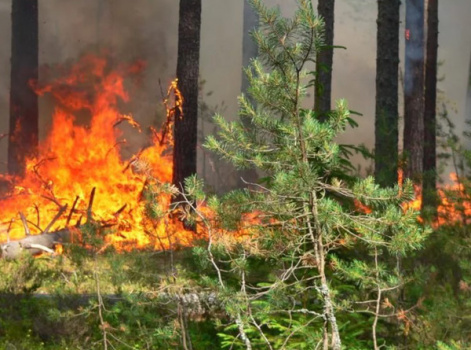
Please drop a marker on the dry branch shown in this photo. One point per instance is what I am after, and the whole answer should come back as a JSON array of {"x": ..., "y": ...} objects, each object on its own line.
[{"x": 34, "y": 244}]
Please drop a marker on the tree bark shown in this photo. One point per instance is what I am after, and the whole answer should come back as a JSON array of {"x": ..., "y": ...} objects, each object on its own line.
[
  {"x": 249, "y": 52},
  {"x": 468, "y": 95},
  {"x": 386, "y": 115},
  {"x": 430, "y": 154},
  {"x": 249, "y": 46},
  {"x": 324, "y": 60},
  {"x": 23, "y": 136},
  {"x": 414, "y": 90},
  {"x": 184, "y": 154}
]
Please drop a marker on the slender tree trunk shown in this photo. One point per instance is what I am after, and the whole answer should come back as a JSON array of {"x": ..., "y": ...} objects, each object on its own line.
[
  {"x": 468, "y": 95},
  {"x": 249, "y": 46},
  {"x": 387, "y": 68},
  {"x": 414, "y": 90},
  {"x": 323, "y": 85},
  {"x": 184, "y": 155},
  {"x": 430, "y": 153},
  {"x": 249, "y": 51},
  {"x": 23, "y": 136}
]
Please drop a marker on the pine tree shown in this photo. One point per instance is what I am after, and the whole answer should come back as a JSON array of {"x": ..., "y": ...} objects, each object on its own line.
[
  {"x": 249, "y": 47},
  {"x": 324, "y": 60},
  {"x": 414, "y": 90},
  {"x": 249, "y": 51},
  {"x": 386, "y": 115},
  {"x": 23, "y": 135},
  {"x": 184, "y": 154},
  {"x": 430, "y": 115},
  {"x": 324, "y": 244}
]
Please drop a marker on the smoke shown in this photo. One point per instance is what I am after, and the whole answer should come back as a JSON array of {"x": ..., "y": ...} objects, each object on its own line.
[
  {"x": 147, "y": 29},
  {"x": 415, "y": 43}
]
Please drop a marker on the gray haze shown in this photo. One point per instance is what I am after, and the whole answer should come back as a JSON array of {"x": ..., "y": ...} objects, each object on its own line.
[{"x": 147, "y": 29}]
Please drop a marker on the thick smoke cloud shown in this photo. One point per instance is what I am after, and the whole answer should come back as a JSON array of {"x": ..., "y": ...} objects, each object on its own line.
[{"x": 144, "y": 30}]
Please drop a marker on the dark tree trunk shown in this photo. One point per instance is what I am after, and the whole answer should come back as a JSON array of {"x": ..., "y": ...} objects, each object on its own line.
[
  {"x": 323, "y": 86},
  {"x": 184, "y": 156},
  {"x": 386, "y": 118},
  {"x": 249, "y": 52},
  {"x": 414, "y": 90},
  {"x": 430, "y": 153},
  {"x": 23, "y": 135},
  {"x": 249, "y": 46},
  {"x": 468, "y": 95}
]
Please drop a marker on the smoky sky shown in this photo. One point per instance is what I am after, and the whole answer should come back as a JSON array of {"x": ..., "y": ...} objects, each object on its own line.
[{"x": 147, "y": 29}]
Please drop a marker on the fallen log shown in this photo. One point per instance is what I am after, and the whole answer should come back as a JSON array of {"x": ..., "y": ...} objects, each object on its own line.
[
  {"x": 35, "y": 244},
  {"x": 194, "y": 304},
  {"x": 46, "y": 241}
]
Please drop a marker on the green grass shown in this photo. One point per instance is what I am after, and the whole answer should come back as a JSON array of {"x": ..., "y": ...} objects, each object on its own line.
[{"x": 52, "y": 302}]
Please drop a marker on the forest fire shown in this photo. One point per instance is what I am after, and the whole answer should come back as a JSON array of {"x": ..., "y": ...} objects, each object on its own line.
[
  {"x": 453, "y": 203},
  {"x": 79, "y": 173}
]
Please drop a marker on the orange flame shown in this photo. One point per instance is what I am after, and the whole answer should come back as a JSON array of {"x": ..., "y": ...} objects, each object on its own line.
[
  {"x": 76, "y": 158},
  {"x": 455, "y": 203}
]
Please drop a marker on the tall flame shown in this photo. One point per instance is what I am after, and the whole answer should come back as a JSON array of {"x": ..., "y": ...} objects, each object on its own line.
[{"x": 74, "y": 159}]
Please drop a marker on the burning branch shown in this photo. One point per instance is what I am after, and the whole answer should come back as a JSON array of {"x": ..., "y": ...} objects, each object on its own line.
[
  {"x": 171, "y": 111},
  {"x": 130, "y": 120},
  {"x": 90, "y": 204},
  {"x": 40, "y": 247},
  {"x": 53, "y": 221},
  {"x": 72, "y": 211}
]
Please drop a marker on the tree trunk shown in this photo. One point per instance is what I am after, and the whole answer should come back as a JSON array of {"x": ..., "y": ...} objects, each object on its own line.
[
  {"x": 430, "y": 153},
  {"x": 23, "y": 136},
  {"x": 414, "y": 90},
  {"x": 249, "y": 52},
  {"x": 249, "y": 46},
  {"x": 386, "y": 115},
  {"x": 468, "y": 95},
  {"x": 184, "y": 154},
  {"x": 323, "y": 85}
]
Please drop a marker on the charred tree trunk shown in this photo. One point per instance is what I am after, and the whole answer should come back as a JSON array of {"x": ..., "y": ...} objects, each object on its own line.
[
  {"x": 23, "y": 136},
  {"x": 414, "y": 90},
  {"x": 430, "y": 153},
  {"x": 324, "y": 60},
  {"x": 184, "y": 154},
  {"x": 386, "y": 115}
]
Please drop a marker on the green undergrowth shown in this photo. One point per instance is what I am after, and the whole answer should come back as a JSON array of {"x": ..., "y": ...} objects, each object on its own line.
[{"x": 54, "y": 302}]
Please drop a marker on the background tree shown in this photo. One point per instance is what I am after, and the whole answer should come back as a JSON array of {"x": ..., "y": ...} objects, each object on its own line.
[
  {"x": 185, "y": 133},
  {"x": 324, "y": 60},
  {"x": 23, "y": 134},
  {"x": 414, "y": 90},
  {"x": 249, "y": 52},
  {"x": 249, "y": 47},
  {"x": 430, "y": 153},
  {"x": 386, "y": 115},
  {"x": 468, "y": 95}
]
